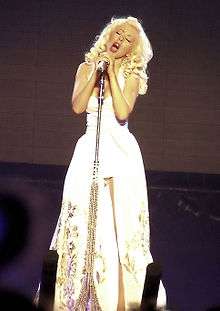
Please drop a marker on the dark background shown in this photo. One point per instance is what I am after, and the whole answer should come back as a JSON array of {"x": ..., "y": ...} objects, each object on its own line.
[
  {"x": 42, "y": 43},
  {"x": 177, "y": 124}
]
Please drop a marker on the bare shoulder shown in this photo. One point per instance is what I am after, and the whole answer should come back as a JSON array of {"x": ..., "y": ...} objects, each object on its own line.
[
  {"x": 132, "y": 82},
  {"x": 133, "y": 78},
  {"x": 84, "y": 70}
]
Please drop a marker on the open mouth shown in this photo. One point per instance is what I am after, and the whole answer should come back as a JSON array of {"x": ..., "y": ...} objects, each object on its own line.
[{"x": 115, "y": 46}]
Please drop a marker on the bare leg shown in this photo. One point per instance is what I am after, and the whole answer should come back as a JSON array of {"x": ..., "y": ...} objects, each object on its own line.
[{"x": 121, "y": 300}]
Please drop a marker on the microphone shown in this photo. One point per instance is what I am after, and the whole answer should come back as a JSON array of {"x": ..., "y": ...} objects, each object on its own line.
[{"x": 102, "y": 66}]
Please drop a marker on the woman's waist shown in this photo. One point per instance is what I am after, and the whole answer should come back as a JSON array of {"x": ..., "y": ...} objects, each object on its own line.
[{"x": 107, "y": 122}]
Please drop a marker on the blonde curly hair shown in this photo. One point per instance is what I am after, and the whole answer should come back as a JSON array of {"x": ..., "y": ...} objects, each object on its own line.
[{"x": 137, "y": 61}]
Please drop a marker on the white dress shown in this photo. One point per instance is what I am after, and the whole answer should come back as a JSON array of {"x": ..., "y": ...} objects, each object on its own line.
[{"x": 120, "y": 158}]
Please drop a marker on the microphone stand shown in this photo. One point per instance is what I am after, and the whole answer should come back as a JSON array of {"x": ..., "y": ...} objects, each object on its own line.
[
  {"x": 88, "y": 296},
  {"x": 100, "y": 103}
]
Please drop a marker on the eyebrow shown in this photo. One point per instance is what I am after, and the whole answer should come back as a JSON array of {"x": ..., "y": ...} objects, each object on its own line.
[
  {"x": 126, "y": 34},
  {"x": 130, "y": 37}
]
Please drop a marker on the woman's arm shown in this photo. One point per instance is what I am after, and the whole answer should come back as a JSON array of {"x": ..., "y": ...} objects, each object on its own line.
[
  {"x": 123, "y": 101},
  {"x": 83, "y": 86}
]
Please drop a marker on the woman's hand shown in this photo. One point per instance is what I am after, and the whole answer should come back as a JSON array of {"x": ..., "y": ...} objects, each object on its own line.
[{"x": 109, "y": 59}]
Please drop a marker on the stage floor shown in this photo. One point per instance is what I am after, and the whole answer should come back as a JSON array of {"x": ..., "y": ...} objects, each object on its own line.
[{"x": 184, "y": 220}]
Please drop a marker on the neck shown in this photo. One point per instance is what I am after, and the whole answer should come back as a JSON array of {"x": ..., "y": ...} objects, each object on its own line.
[{"x": 118, "y": 62}]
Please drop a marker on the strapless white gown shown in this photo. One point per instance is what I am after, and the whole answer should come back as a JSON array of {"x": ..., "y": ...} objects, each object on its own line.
[{"x": 120, "y": 158}]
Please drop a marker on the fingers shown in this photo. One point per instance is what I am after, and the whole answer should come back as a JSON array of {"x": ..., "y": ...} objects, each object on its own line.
[{"x": 106, "y": 57}]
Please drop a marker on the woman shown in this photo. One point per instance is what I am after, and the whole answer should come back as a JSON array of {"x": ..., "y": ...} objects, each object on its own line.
[{"x": 122, "y": 222}]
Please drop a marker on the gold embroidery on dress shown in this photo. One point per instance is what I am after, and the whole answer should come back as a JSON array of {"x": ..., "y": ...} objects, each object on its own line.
[
  {"x": 100, "y": 266},
  {"x": 139, "y": 242}
]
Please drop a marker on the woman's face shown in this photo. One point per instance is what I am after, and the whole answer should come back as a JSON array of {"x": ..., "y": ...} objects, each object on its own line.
[{"x": 121, "y": 41}]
